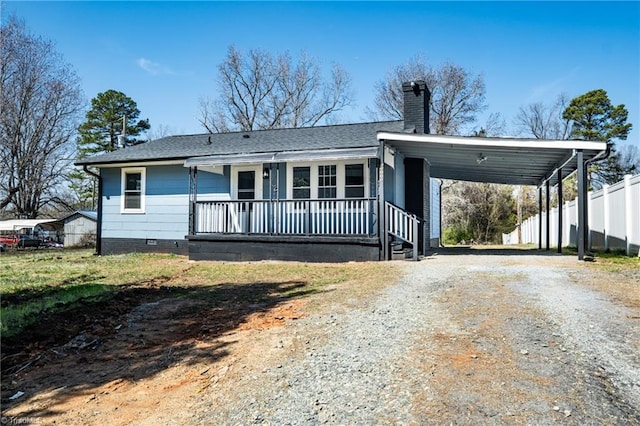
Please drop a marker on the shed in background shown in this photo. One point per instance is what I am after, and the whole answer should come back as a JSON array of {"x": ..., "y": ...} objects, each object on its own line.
[{"x": 80, "y": 228}]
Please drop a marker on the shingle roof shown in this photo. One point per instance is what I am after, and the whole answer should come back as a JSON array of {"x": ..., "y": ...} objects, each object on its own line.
[
  {"x": 276, "y": 140},
  {"x": 90, "y": 214}
]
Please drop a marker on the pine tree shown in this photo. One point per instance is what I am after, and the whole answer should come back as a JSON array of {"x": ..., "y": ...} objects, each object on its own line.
[
  {"x": 111, "y": 112},
  {"x": 594, "y": 118}
]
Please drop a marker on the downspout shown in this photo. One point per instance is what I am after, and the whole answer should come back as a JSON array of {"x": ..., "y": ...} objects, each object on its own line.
[
  {"x": 99, "y": 224},
  {"x": 441, "y": 237},
  {"x": 598, "y": 157},
  {"x": 606, "y": 155}
]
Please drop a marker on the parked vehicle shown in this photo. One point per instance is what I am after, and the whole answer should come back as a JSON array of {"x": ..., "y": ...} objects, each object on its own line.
[
  {"x": 28, "y": 241},
  {"x": 9, "y": 240},
  {"x": 50, "y": 243}
]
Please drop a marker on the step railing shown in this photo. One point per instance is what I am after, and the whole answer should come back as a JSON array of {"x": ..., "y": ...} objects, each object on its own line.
[{"x": 402, "y": 225}]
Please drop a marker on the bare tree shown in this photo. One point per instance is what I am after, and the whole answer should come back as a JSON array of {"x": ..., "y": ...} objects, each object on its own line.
[
  {"x": 389, "y": 100},
  {"x": 629, "y": 158},
  {"x": 457, "y": 96},
  {"x": 480, "y": 212},
  {"x": 545, "y": 121},
  {"x": 494, "y": 126},
  {"x": 160, "y": 131},
  {"x": 260, "y": 91},
  {"x": 41, "y": 101}
]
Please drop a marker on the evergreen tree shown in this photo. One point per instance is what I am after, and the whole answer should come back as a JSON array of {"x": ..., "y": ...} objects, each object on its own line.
[
  {"x": 594, "y": 118},
  {"x": 111, "y": 112}
]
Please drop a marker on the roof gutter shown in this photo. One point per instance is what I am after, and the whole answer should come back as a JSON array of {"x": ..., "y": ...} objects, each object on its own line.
[
  {"x": 573, "y": 155},
  {"x": 602, "y": 155},
  {"x": 99, "y": 220}
]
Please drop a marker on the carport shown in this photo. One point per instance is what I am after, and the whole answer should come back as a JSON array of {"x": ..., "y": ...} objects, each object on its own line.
[{"x": 512, "y": 161}]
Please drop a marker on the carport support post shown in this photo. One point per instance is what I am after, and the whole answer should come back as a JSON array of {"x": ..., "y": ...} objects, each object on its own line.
[
  {"x": 547, "y": 213},
  {"x": 560, "y": 205},
  {"x": 582, "y": 204},
  {"x": 540, "y": 217}
]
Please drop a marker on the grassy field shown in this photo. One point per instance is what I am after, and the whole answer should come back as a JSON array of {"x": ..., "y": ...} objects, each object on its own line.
[{"x": 37, "y": 284}]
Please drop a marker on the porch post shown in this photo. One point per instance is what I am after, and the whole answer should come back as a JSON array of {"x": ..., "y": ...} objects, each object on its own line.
[
  {"x": 277, "y": 206},
  {"x": 193, "y": 198},
  {"x": 582, "y": 203},
  {"x": 382, "y": 222},
  {"x": 307, "y": 217},
  {"x": 246, "y": 206},
  {"x": 540, "y": 217},
  {"x": 547, "y": 214},
  {"x": 560, "y": 205}
]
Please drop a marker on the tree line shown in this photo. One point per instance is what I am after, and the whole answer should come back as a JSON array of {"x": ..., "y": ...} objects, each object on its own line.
[{"x": 44, "y": 126}]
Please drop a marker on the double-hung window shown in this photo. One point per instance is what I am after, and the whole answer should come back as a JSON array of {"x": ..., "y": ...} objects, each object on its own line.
[
  {"x": 133, "y": 190},
  {"x": 354, "y": 181}
]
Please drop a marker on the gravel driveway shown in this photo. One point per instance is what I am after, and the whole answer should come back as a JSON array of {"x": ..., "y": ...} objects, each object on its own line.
[{"x": 462, "y": 339}]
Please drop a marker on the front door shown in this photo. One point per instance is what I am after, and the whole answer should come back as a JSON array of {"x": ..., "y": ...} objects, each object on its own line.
[
  {"x": 246, "y": 187},
  {"x": 246, "y": 182}
]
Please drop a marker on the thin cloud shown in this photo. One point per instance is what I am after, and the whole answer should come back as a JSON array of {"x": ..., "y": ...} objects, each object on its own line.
[
  {"x": 154, "y": 68},
  {"x": 552, "y": 88}
]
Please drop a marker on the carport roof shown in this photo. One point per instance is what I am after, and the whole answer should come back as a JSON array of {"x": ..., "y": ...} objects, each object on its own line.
[
  {"x": 15, "y": 225},
  {"x": 495, "y": 160}
]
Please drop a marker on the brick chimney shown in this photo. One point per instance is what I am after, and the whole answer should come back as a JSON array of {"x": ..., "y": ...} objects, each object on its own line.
[{"x": 416, "y": 106}]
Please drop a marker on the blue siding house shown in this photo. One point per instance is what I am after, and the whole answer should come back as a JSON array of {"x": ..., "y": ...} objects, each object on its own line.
[{"x": 327, "y": 193}]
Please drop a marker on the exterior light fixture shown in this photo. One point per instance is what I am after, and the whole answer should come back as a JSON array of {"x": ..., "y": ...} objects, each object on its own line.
[
  {"x": 265, "y": 173},
  {"x": 481, "y": 158}
]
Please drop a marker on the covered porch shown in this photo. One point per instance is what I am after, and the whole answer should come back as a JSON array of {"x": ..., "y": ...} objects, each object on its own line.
[{"x": 317, "y": 205}]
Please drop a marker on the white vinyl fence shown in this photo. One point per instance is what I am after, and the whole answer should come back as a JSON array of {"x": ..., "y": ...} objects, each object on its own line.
[{"x": 613, "y": 216}]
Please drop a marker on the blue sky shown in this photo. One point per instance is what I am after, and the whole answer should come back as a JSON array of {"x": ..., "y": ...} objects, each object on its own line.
[{"x": 165, "y": 55}]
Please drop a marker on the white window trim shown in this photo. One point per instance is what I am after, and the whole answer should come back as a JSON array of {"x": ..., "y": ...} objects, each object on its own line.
[
  {"x": 290, "y": 173},
  {"x": 258, "y": 180},
  {"x": 143, "y": 189},
  {"x": 337, "y": 167},
  {"x": 340, "y": 176},
  {"x": 364, "y": 181}
]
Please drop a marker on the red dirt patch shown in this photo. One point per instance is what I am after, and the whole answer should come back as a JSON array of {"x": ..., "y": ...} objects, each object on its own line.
[
  {"x": 275, "y": 317},
  {"x": 143, "y": 348}
]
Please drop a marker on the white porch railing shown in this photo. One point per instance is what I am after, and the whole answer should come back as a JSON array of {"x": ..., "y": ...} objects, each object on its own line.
[
  {"x": 403, "y": 225},
  {"x": 289, "y": 217}
]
